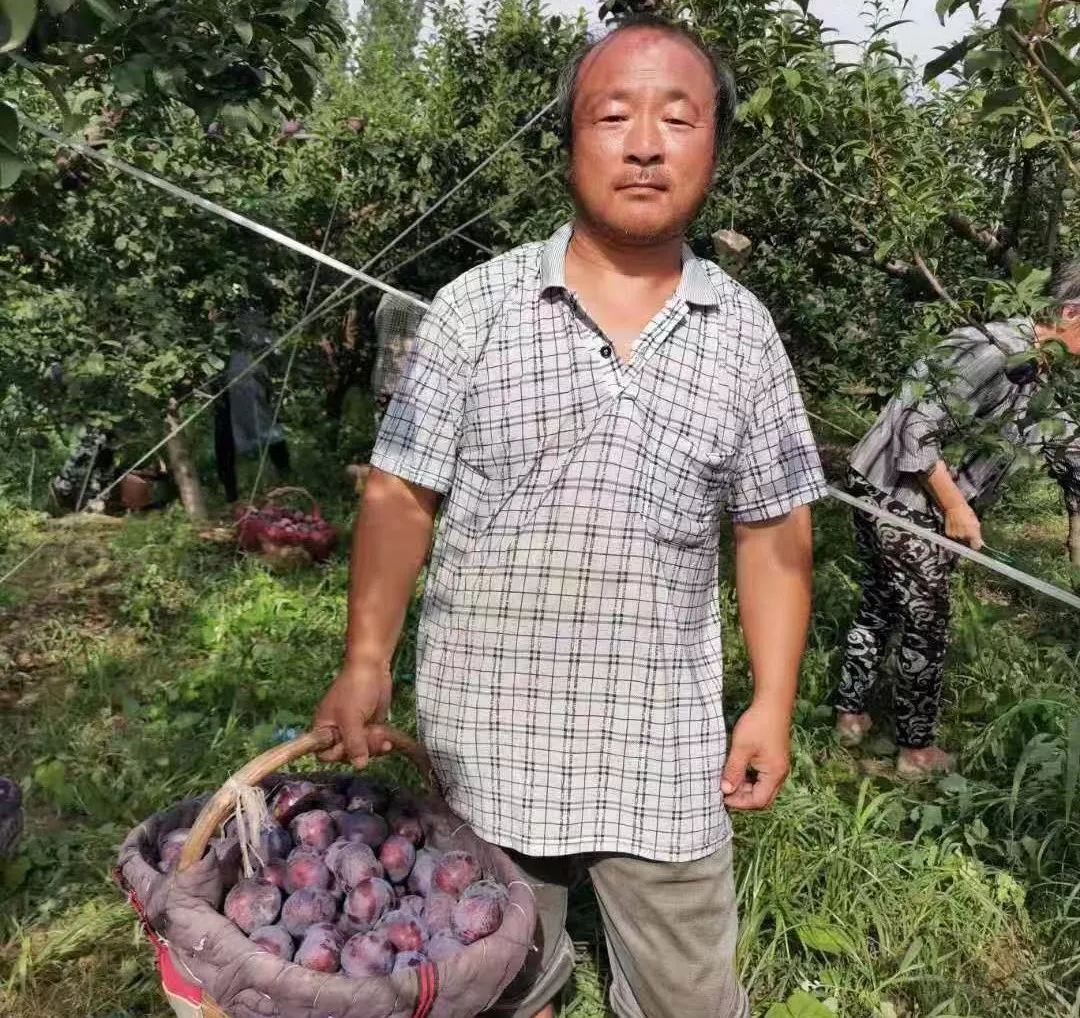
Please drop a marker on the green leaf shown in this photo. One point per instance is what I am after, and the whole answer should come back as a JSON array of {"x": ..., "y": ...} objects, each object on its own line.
[
  {"x": 11, "y": 168},
  {"x": 1033, "y": 139},
  {"x": 803, "y": 1005},
  {"x": 13, "y": 873},
  {"x": 1003, "y": 100},
  {"x": 759, "y": 100},
  {"x": 72, "y": 123},
  {"x": 169, "y": 79},
  {"x": 58, "y": 7},
  {"x": 305, "y": 46},
  {"x": 105, "y": 11},
  {"x": 9, "y": 127},
  {"x": 94, "y": 365},
  {"x": 244, "y": 30},
  {"x": 20, "y": 16},
  {"x": 792, "y": 78},
  {"x": 825, "y": 937},
  {"x": 130, "y": 77},
  {"x": 946, "y": 60},
  {"x": 984, "y": 59}
]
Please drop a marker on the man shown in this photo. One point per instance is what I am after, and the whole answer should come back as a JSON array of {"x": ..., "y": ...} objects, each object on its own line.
[
  {"x": 583, "y": 410},
  {"x": 899, "y": 465},
  {"x": 244, "y": 422},
  {"x": 397, "y": 322}
]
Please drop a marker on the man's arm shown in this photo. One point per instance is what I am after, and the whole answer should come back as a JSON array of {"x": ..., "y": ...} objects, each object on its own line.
[
  {"x": 773, "y": 565},
  {"x": 961, "y": 523},
  {"x": 391, "y": 539}
]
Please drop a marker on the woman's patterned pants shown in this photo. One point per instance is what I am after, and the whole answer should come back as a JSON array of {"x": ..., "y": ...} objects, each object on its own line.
[{"x": 905, "y": 593}]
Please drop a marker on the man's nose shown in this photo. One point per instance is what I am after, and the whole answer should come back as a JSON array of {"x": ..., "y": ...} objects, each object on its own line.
[{"x": 644, "y": 142}]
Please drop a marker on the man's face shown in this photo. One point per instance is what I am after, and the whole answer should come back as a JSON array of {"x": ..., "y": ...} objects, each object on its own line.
[{"x": 643, "y": 132}]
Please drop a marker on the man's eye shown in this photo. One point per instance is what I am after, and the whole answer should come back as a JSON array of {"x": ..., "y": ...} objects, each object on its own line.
[
  {"x": 612, "y": 118},
  {"x": 676, "y": 120}
]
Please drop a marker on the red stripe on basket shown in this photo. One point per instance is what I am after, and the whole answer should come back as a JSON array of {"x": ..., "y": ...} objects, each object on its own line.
[
  {"x": 429, "y": 989},
  {"x": 171, "y": 979}
]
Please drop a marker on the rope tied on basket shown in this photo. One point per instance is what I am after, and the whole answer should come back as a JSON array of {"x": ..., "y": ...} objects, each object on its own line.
[{"x": 252, "y": 816}]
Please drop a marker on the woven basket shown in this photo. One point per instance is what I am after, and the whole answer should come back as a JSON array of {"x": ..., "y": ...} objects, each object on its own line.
[
  {"x": 256, "y": 532},
  {"x": 209, "y": 968}
]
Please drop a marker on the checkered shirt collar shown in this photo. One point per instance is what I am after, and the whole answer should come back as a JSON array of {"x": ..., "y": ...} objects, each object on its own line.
[{"x": 695, "y": 287}]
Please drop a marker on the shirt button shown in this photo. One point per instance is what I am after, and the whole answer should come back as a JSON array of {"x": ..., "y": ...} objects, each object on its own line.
[{"x": 605, "y": 351}]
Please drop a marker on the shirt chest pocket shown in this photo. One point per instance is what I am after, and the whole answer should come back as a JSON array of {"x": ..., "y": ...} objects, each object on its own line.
[{"x": 685, "y": 487}]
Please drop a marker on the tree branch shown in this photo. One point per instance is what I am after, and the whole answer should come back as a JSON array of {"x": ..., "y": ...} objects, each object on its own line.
[
  {"x": 990, "y": 243},
  {"x": 1048, "y": 75}
]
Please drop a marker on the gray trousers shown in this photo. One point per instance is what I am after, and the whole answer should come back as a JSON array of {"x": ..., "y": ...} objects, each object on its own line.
[{"x": 671, "y": 931}]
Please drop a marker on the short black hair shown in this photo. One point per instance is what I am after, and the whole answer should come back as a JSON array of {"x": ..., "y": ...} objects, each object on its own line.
[{"x": 725, "y": 82}]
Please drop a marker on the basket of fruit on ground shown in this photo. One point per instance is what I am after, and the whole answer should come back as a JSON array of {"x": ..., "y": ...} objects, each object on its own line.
[
  {"x": 273, "y": 528},
  {"x": 327, "y": 894}
]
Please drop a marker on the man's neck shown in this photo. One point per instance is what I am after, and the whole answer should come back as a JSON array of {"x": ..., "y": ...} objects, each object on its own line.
[{"x": 647, "y": 264}]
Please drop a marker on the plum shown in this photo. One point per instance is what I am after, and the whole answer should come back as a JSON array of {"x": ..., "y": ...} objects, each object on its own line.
[
  {"x": 292, "y": 798},
  {"x": 305, "y": 908},
  {"x": 306, "y": 869},
  {"x": 443, "y": 945},
  {"x": 454, "y": 872},
  {"x": 274, "y": 871},
  {"x": 439, "y": 911},
  {"x": 488, "y": 889},
  {"x": 404, "y": 931},
  {"x": 368, "y": 828},
  {"x": 409, "y": 960},
  {"x": 320, "y": 949},
  {"x": 404, "y": 822},
  {"x": 365, "y": 795},
  {"x": 368, "y": 954},
  {"x": 274, "y": 842},
  {"x": 356, "y": 862},
  {"x": 274, "y": 939},
  {"x": 368, "y": 900},
  {"x": 413, "y": 904},
  {"x": 423, "y": 870},
  {"x": 476, "y": 917},
  {"x": 397, "y": 856},
  {"x": 315, "y": 829},
  {"x": 253, "y": 903},
  {"x": 169, "y": 848}
]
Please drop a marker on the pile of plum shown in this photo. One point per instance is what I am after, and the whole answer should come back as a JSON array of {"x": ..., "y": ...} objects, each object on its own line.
[
  {"x": 276, "y": 525},
  {"x": 346, "y": 883}
]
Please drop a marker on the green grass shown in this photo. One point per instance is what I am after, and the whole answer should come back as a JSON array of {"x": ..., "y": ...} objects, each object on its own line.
[{"x": 140, "y": 663}]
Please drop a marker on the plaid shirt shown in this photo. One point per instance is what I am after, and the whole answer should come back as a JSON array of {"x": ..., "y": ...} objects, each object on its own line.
[{"x": 569, "y": 683}]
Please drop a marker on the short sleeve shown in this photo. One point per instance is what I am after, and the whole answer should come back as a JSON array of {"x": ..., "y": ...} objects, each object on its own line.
[
  {"x": 419, "y": 434},
  {"x": 949, "y": 388},
  {"x": 778, "y": 467}
]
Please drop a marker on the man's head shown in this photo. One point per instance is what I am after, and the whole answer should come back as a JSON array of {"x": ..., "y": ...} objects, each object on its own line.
[
  {"x": 1065, "y": 311},
  {"x": 644, "y": 112}
]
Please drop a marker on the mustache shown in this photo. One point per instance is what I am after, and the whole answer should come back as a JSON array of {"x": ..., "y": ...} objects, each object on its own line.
[{"x": 654, "y": 179}]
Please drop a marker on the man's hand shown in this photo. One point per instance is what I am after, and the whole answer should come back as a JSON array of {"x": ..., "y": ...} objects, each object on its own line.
[
  {"x": 961, "y": 524},
  {"x": 760, "y": 740},
  {"x": 356, "y": 705}
]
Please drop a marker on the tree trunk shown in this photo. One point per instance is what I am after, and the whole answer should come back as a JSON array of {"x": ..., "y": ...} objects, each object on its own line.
[
  {"x": 183, "y": 471},
  {"x": 1057, "y": 212},
  {"x": 1074, "y": 539}
]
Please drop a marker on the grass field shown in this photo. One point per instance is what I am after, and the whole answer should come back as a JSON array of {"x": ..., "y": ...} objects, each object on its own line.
[{"x": 140, "y": 663}]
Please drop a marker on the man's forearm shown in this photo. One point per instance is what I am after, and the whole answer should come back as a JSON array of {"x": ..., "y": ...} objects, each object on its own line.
[
  {"x": 391, "y": 539},
  {"x": 773, "y": 579}
]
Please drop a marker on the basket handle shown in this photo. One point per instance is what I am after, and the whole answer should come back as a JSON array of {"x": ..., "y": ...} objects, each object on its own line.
[
  {"x": 221, "y": 802},
  {"x": 292, "y": 489}
]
